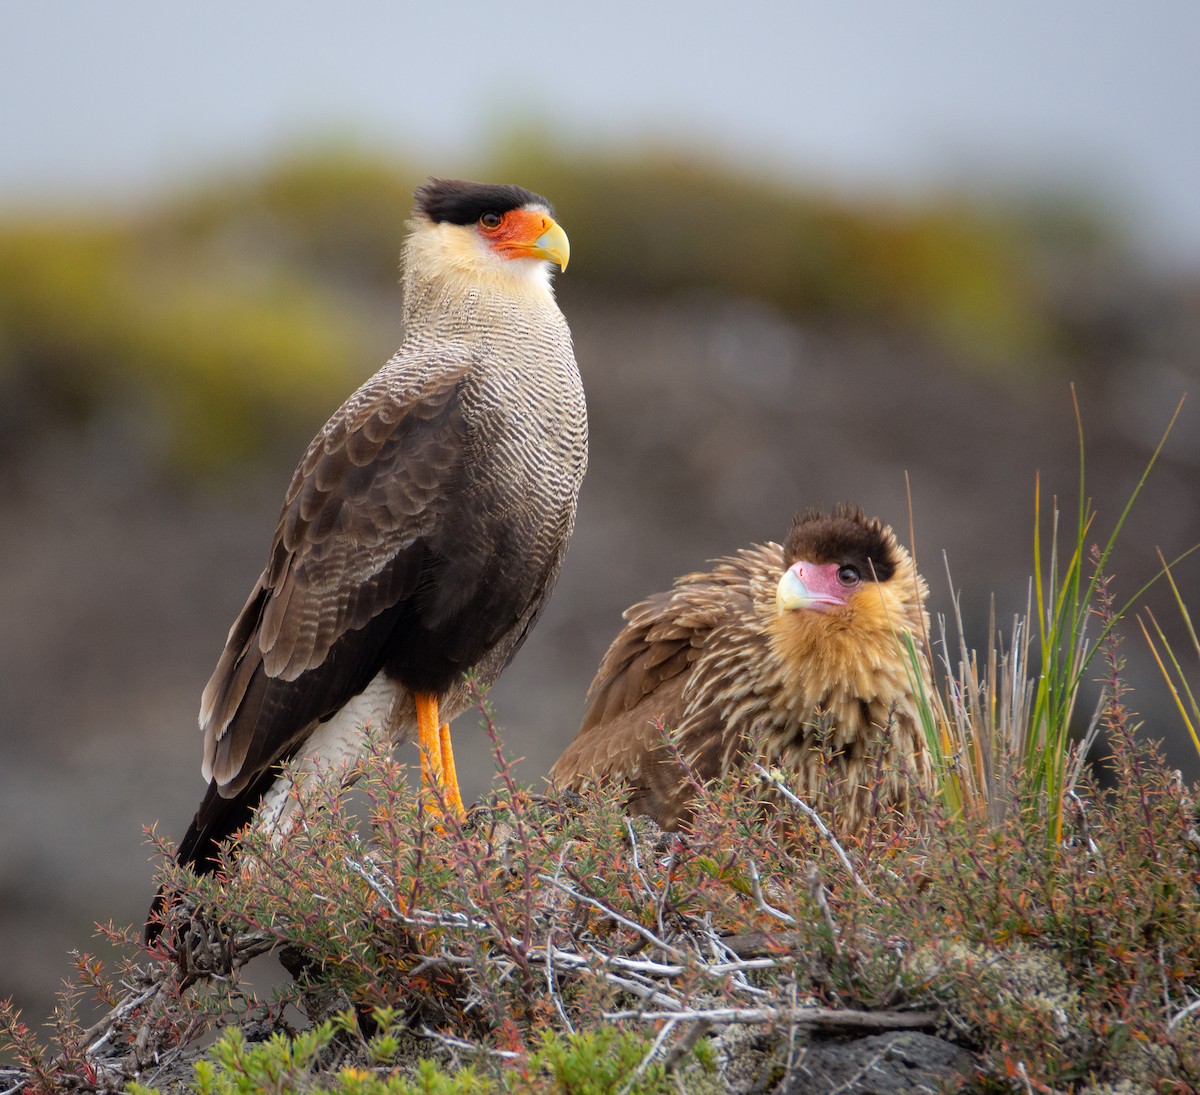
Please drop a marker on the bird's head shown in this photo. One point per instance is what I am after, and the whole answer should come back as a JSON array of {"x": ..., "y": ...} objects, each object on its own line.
[
  {"x": 846, "y": 573},
  {"x": 486, "y": 231}
]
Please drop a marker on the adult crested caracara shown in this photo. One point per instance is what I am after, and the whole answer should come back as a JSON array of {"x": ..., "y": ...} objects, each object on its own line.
[
  {"x": 424, "y": 528},
  {"x": 794, "y": 651}
]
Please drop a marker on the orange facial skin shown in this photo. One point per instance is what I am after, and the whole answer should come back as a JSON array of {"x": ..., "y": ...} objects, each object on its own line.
[{"x": 526, "y": 234}]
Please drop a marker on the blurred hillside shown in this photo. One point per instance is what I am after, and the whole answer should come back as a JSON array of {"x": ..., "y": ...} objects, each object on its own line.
[{"x": 749, "y": 347}]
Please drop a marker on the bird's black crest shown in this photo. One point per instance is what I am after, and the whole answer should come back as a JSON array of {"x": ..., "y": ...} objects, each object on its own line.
[
  {"x": 459, "y": 202},
  {"x": 845, "y": 535}
]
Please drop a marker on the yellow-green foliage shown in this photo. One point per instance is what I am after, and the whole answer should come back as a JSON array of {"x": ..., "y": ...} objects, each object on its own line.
[
  {"x": 219, "y": 353},
  {"x": 238, "y": 314},
  {"x": 653, "y": 223},
  {"x": 599, "y": 1063},
  {"x": 333, "y": 214}
]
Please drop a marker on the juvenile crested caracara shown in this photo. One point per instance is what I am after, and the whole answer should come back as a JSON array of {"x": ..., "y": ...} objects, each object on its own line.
[
  {"x": 796, "y": 650},
  {"x": 424, "y": 528}
]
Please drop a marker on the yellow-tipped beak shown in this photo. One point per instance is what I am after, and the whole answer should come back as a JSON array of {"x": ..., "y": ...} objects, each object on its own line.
[
  {"x": 812, "y": 591},
  {"x": 791, "y": 593},
  {"x": 553, "y": 245}
]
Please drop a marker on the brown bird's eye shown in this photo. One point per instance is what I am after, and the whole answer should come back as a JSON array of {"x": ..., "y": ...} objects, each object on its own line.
[
  {"x": 849, "y": 575},
  {"x": 491, "y": 220}
]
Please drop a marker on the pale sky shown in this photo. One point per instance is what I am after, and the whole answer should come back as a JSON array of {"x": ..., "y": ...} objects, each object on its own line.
[{"x": 110, "y": 98}]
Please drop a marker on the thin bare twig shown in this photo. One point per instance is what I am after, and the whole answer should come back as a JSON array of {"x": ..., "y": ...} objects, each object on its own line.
[
  {"x": 763, "y": 905},
  {"x": 776, "y": 781},
  {"x": 633, "y": 925},
  {"x": 1183, "y": 1014},
  {"x": 651, "y": 1053},
  {"x": 684, "y": 1046},
  {"x": 823, "y": 1018},
  {"x": 463, "y": 1044},
  {"x": 816, "y": 889}
]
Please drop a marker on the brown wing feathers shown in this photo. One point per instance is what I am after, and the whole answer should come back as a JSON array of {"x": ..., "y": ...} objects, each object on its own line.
[
  {"x": 376, "y": 483},
  {"x": 645, "y": 684},
  {"x": 644, "y": 655},
  {"x": 349, "y": 547}
]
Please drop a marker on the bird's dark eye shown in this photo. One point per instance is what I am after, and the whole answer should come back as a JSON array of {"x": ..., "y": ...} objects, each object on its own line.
[
  {"x": 849, "y": 575},
  {"x": 491, "y": 220}
]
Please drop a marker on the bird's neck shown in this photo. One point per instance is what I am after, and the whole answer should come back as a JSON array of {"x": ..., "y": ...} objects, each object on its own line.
[
  {"x": 447, "y": 306},
  {"x": 459, "y": 300},
  {"x": 822, "y": 664}
]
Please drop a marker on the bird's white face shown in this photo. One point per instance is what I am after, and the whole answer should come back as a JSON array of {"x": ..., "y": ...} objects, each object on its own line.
[{"x": 517, "y": 247}]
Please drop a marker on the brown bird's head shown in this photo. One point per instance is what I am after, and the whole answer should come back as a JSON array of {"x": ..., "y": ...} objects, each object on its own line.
[
  {"x": 849, "y": 590},
  {"x": 495, "y": 231}
]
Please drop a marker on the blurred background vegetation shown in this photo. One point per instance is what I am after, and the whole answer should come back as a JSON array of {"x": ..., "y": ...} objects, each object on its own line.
[
  {"x": 750, "y": 345},
  {"x": 215, "y": 323}
]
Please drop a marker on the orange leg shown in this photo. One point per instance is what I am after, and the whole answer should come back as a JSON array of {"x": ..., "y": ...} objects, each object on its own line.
[
  {"x": 450, "y": 775},
  {"x": 437, "y": 757},
  {"x": 429, "y": 740}
]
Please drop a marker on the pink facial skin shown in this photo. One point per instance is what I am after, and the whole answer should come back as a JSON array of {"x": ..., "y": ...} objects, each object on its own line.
[{"x": 819, "y": 586}]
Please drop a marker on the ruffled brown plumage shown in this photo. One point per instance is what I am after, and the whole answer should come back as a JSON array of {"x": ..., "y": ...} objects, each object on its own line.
[{"x": 738, "y": 666}]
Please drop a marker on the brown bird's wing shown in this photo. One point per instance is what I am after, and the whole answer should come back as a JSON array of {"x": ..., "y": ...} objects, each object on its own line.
[
  {"x": 644, "y": 685},
  {"x": 351, "y": 546}
]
